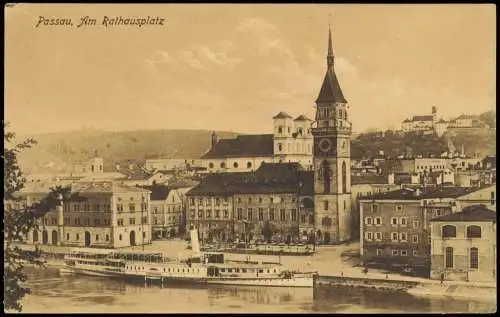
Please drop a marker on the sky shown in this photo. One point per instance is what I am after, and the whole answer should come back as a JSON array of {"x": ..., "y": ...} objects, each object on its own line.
[{"x": 233, "y": 67}]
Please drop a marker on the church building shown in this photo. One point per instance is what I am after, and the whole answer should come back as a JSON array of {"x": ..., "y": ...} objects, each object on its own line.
[{"x": 274, "y": 198}]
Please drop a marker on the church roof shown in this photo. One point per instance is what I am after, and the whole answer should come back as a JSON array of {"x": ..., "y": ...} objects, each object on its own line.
[
  {"x": 282, "y": 115},
  {"x": 302, "y": 118},
  {"x": 243, "y": 146}
]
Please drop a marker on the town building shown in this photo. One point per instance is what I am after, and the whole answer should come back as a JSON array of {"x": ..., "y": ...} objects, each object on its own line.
[
  {"x": 143, "y": 178},
  {"x": 395, "y": 227},
  {"x": 267, "y": 204},
  {"x": 463, "y": 245},
  {"x": 420, "y": 123},
  {"x": 93, "y": 165},
  {"x": 290, "y": 142},
  {"x": 166, "y": 211},
  {"x": 169, "y": 164},
  {"x": 97, "y": 214}
]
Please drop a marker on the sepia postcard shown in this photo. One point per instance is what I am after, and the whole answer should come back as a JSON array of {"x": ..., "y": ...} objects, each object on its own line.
[{"x": 250, "y": 158}]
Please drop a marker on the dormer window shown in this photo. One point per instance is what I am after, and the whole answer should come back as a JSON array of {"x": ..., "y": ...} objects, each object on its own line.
[{"x": 280, "y": 129}]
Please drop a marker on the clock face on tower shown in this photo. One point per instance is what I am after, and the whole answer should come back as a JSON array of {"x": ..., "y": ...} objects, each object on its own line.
[{"x": 325, "y": 145}]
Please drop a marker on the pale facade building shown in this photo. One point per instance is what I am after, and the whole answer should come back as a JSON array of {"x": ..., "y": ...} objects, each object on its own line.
[{"x": 463, "y": 245}]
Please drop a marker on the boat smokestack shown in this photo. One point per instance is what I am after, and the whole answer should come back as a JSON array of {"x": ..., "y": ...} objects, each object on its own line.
[{"x": 195, "y": 244}]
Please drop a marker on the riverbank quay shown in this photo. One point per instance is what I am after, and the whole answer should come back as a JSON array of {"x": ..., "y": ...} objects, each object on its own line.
[{"x": 418, "y": 287}]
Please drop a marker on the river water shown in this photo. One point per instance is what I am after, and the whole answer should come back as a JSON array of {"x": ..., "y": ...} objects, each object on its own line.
[{"x": 55, "y": 293}]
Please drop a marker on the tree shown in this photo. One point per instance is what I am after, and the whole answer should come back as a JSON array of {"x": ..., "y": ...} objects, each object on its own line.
[{"x": 18, "y": 221}]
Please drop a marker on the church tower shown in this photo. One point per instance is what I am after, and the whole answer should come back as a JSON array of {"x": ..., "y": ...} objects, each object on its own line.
[{"x": 332, "y": 169}]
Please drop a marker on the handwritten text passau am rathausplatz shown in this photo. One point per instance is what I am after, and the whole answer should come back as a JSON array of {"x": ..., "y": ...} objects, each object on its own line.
[{"x": 106, "y": 21}]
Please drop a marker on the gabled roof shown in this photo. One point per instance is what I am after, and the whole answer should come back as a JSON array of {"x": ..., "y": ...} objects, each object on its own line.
[
  {"x": 282, "y": 115},
  {"x": 422, "y": 118},
  {"x": 330, "y": 90},
  {"x": 441, "y": 121},
  {"x": 302, "y": 118},
  {"x": 242, "y": 146},
  {"x": 270, "y": 178},
  {"x": 470, "y": 213},
  {"x": 368, "y": 179},
  {"x": 406, "y": 120}
]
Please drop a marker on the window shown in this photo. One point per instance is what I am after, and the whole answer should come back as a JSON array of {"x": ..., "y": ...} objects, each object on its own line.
[
  {"x": 374, "y": 208},
  {"x": 271, "y": 213},
  {"x": 380, "y": 252},
  {"x": 303, "y": 218},
  {"x": 97, "y": 222},
  {"x": 226, "y": 214},
  {"x": 403, "y": 221},
  {"x": 294, "y": 214},
  {"x": 249, "y": 165},
  {"x": 449, "y": 257},
  {"x": 492, "y": 198},
  {"x": 131, "y": 207},
  {"x": 395, "y": 252},
  {"x": 240, "y": 213},
  {"x": 119, "y": 207},
  {"x": 404, "y": 253},
  {"x": 76, "y": 207},
  {"x": 394, "y": 236},
  {"x": 378, "y": 236},
  {"x": 97, "y": 207},
  {"x": 403, "y": 236},
  {"x": 449, "y": 231},
  {"x": 209, "y": 213},
  {"x": 325, "y": 204},
  {"x": 399, "y": 208},
  {"x": 250, "y": 211},
  {"x": 369, "y": 220},
  {"x": 416, "y": 224},
  {"x": 282, "y": 215},
  {"x": 260, "y": 199},
  {"x": 280, "y": 147},
  {"x": 120, "y": 237},
  {"x": 474, "y": 258},
  {"x": 280, "y": 129},
  {"x": 344, "y": 178},
  {"x": 415, "y": 253},
  {"x": 96, "y": 237},
  {"x": 67, "y": 236},
  {"x": 131, "y": 221},
  {"x": 261, "y": 214},
  {"x": 394, "y": 221},
  {"x": 235, "y": 164},
  {"x": 368, "y": 236},
  {"x": 473, "y": 232},
  {"x": 217, "y": 214},
  {"x": 210, "y": 165},
  {"x": 414, "y": 238},
  {"x": 311, "y": 219},
  {"x": 200, "y": 214},
  {"x": 77, "y": 236},
  {"x": 378, "y": 221}
]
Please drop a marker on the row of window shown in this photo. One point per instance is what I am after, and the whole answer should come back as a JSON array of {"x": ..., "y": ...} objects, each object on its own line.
[
  {"x": 375, "y": 208},
  {"x": 394, "y": 236},
  {"x": 218, "y": 201},
  {"x": 450, "y": 231},
  {"x": 473, "y": 258},
  {"x": 86, "y": 207},
  {"x": 170, "y": 209},
  {"x": 208, "y": 214},
  {"x": 402, "y": 221},
  {"x": 271, "y": 214},
  {"x": 395, "y": 252},
  {"x": 131, "y": 221},
  {"x": 96, "y": 222},
  {"x": 170, "y": 219},
  {"x": 290, "y": 147}
]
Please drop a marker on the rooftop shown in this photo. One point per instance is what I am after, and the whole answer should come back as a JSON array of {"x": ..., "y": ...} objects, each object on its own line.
[
  {"x": 282, "y": 115},
  {"x": 158, "y": 192},
  {"x": 425, "y": 193},
  {"x": 243, "y": 146},
  {"x": 269, "y": 178},
  {"x": 470, "y": 213},
  {"x": 302, "y": 118}
]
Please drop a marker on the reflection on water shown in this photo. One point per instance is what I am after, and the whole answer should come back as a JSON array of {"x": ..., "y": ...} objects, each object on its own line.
[{"x": 52, "y": 292}]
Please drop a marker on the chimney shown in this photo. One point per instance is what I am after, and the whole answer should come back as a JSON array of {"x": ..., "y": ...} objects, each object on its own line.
[{"x": 214, "y": 139}]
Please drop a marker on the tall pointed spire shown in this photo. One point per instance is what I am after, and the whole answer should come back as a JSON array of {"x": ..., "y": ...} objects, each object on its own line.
[{"x": 330, "y": 57}]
